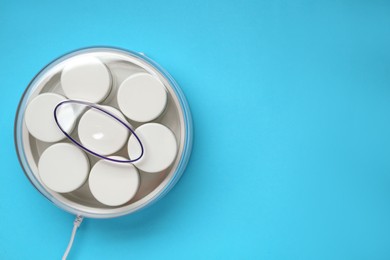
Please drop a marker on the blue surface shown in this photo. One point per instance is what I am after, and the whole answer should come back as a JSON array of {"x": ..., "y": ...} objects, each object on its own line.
[{"x": 291, "y": 105}]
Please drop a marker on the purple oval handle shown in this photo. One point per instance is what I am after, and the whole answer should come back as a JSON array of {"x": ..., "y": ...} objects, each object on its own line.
[{"x": 91, "y": 105}]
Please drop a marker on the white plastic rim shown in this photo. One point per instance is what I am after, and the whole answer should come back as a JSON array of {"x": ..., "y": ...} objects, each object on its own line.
[{"x": 184, "y": 126}]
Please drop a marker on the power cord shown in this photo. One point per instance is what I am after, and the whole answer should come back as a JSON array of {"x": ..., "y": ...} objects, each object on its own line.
[{"x": 76, "y": 224}]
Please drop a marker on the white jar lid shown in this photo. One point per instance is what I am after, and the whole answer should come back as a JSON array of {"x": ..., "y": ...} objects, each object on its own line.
[
  {"x": 39, "y": 118},
  {"x": 63, "y": 167},
  {"x": 142, "y": 97},
  {"x": 86, "y": 78},
  {"x": 160, "y": 147},
  {"x": 102, "y": 133},
  {"x": 113, "y": 184}
]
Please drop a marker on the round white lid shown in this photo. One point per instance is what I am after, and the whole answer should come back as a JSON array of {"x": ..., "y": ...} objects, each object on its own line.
[
  {"x": 160, "y": 147},
  {"x": 63, "y": 167},
  {"x": 86, "y": 78},
  {"x": 113, "y": 184},
  {"x": 142, "y": 97},
  {"x": 102, "y": 133},
  {"x": 39, "y": 118}
]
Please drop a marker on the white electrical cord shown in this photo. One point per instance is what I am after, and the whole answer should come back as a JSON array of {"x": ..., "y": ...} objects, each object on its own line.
[{"x": 76, "y": 224}]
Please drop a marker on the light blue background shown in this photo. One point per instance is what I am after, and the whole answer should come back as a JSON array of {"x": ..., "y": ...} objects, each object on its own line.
[{"x": 291, "y": 106}]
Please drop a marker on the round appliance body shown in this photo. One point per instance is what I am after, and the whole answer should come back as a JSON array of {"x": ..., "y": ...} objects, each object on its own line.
[{"x": 122, "y": 64}]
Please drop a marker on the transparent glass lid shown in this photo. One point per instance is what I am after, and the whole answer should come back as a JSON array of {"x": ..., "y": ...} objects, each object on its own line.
[{"x": 103, "y": 132}]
